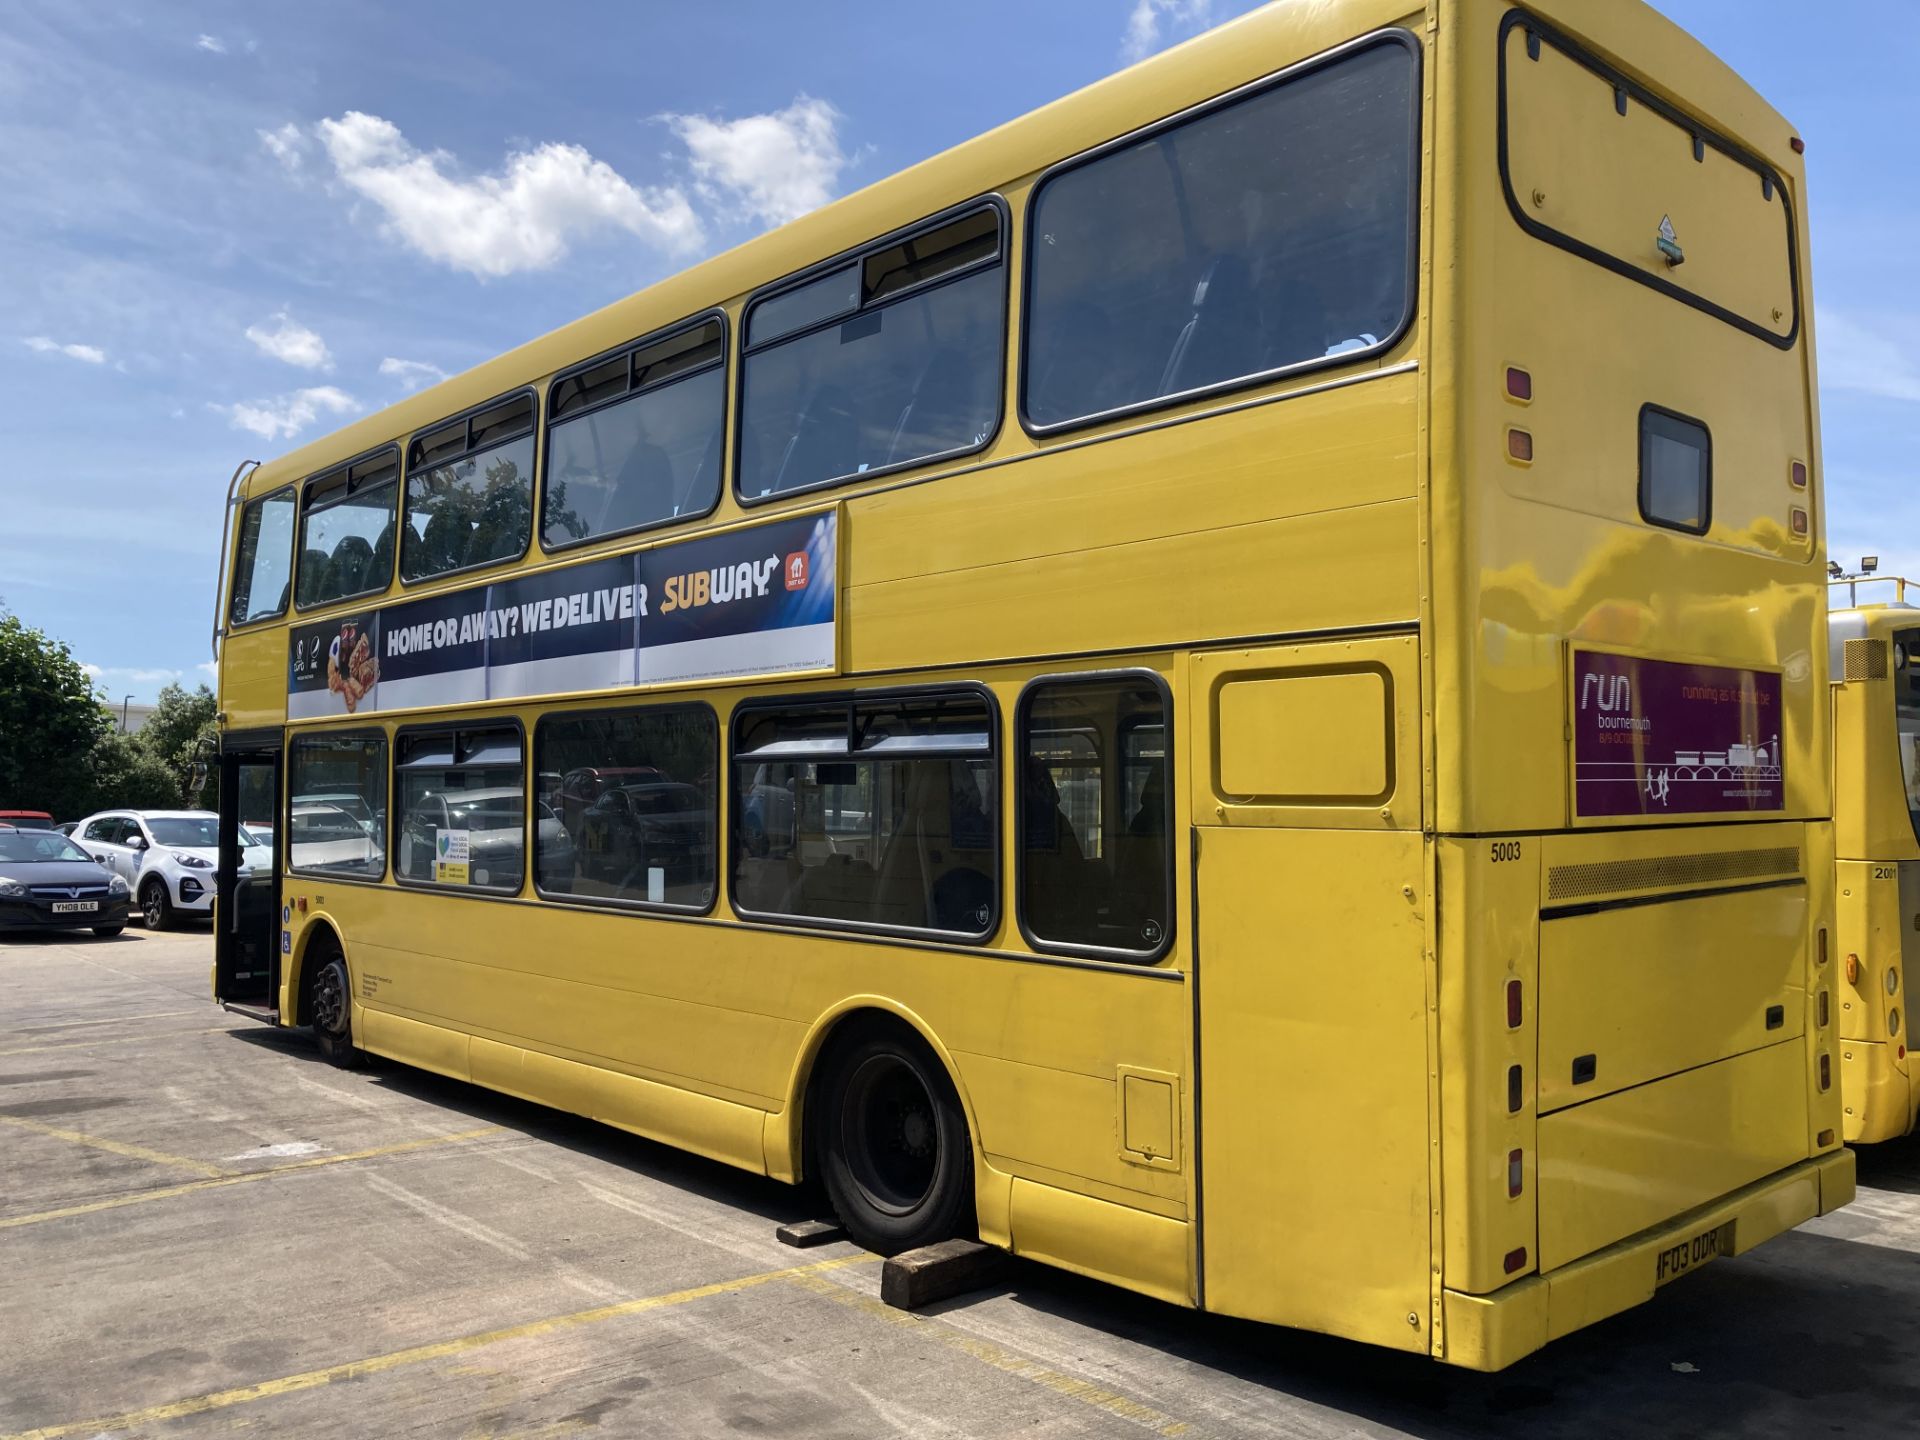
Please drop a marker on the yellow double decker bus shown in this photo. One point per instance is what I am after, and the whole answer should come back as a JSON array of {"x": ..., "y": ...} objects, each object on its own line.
[
  {"x": 1874, "y": 661},
  {"x": 1213, "y": 687}
]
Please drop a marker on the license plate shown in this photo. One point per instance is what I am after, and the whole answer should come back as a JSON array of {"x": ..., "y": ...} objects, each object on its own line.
[
  {"x": 75, "y": 907},
  {"x": 1677, "y": 1260}
]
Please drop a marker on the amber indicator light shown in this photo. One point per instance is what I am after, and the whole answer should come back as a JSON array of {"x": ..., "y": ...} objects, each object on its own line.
[
  {"x": 1515, "y": 1260},
  {"x": 1513, "y": 1004},
  {"x": 1797, "y": 475},
  {"x": 1519, "y": 384},
  {"x": 1520, "y": 445},
  {"x": 1853, "y": 969},
  {"x": 1826, "y": 1073},
  {"x": 1796, "y": 519},
  {"x": 1513, "y": 1164}
]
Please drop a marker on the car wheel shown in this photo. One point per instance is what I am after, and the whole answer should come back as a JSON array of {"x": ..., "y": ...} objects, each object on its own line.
[
  {"x": 107, "y": 932},
  {"x": 894, "y": 1150},
  {"x": 332, "y": 1011},
  {"x": 156, "y": 908}
]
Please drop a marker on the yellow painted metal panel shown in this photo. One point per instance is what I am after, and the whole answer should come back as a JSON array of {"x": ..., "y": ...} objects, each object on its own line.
[
  {"x": 1650, "y": 989},
  {"x": 1345, "y": 567},
  {"x": 430, "y": 1047},
  {"x": 1608, "y": 180},
  {"x": 1303, "y": 739},
  {"x": 1490, "y": 919},
  {"x": 1620, "y": 1164},
  {"x": 1109, "y": 1242},
  {"x": 1312, "y": 982},
  {"x": 1322, "y": 722},
  {"x": 1150, "y": 1118}
]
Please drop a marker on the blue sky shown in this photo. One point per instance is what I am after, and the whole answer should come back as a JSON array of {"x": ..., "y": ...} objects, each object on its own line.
[{"x": 230, "y": 228}]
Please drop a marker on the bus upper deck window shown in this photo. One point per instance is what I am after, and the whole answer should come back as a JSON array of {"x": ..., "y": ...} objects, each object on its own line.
[{"x": 1676, "y": 471}]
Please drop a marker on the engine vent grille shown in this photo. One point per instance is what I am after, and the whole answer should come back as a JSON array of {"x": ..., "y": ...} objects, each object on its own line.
[
  {"x": 1670, "y": 872},
  {"x": 1864, "y": 659}
]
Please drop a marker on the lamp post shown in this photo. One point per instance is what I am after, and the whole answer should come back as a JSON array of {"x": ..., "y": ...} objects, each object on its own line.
[{"x": 123, "y": 713}]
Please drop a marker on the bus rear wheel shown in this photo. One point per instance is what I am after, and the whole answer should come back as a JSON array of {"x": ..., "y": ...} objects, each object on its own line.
[
  {"x": 894, "y": 1151},
  {"x": 331, "y": 1008}
]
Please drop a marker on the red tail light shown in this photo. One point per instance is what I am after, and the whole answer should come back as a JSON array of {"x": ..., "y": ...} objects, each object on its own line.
[
  {"x": 1513, "y": 1005},
  {"x": 1514, "y": 1172},
  {"x": 1515, "y": 1261}
]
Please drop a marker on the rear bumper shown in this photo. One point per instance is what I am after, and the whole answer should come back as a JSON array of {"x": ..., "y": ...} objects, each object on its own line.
[
  {"x": 23, "y": 915},
  {"x": 1491, "y": 1332}
]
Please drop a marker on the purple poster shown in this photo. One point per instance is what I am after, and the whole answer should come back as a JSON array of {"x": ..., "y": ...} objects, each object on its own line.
[{"x": 1658, "y": 737}]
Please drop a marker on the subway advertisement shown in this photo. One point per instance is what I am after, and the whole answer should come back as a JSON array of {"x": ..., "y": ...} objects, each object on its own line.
[{"x": 758, "y": 601}]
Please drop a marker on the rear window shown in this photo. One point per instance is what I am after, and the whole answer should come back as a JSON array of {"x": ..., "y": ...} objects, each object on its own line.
[
  {"x": 1676, "y": 471},
  {"x": 1600, "y": 167}
]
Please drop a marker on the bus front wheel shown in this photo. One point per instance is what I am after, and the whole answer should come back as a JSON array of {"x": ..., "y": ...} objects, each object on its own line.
[
  {"x": 894, "y": 1151},
  {"x": 331, "y": 1009}
]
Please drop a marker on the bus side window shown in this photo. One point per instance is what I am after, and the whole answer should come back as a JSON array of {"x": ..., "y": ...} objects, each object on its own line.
[{"x": 1095, "y": 837}]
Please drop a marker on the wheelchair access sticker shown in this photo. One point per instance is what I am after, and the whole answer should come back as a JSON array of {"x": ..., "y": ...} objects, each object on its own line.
[{"x": 286, "y": 942}]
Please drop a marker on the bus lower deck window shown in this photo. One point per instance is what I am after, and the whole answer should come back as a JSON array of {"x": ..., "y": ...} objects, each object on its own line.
[{"x": 1676, "y": 471}]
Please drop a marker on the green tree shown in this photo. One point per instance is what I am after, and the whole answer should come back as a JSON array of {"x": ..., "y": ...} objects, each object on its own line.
[
  {"x": 181, "y": 735},
  {"x": 124, "y": 773},
  {"x": 50, "y": 724}
]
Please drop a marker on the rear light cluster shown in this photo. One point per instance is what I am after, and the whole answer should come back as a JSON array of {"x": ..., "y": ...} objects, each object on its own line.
[
  {"x": 1516, "y": 1172},
  {"x": 1520, "y": 391}
]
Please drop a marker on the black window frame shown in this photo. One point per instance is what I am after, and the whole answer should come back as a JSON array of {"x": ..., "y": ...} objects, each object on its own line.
[
  {"x": 1391, "y": 35},
  {"x": 1640, "y": 465},
  {"x": 344, "y": 472},
  {"x": 394, "y": 816},
  {"x": 604, "y": 902},
  {"x": 359, "y": 732},
  {"x": 851, "y": 700},
  {"x": 856, "y": 257},
  {"x": 293, "y": 544},
  {"x": 1022, "y": 706},
  {"x": 406, "y": 475},
  {"x": 628, "y": 350}
]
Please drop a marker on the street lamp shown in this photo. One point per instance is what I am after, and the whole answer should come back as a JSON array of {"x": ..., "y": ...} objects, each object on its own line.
[{"x": 123, "y": 713}]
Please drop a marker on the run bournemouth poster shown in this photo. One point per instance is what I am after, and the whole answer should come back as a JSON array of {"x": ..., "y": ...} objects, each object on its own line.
[
  {"x": 1661, "y": 737},
  {"x": 759, "y": 601}
]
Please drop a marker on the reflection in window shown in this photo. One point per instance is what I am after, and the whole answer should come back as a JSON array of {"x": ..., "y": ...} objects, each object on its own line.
[
  {"x": 635, "y": 440},
  {"x": 636, "y": 804},
  {"x": 346, "y": 531},
  {"x": 337, "y": 804},
  {"x": 263, "y": 559},
  {"x": 1095, "y": 842},
  {"x": 894, "y": 359},
  {"x": 470, "y": 492},
  {"x": 461, "y": 796},
  {"x": 1272, "y": 231},
  {"x": 1906, "y": 694},
  {"x": 1676, "y": 471},
  {"x": 873, "y": 813}
]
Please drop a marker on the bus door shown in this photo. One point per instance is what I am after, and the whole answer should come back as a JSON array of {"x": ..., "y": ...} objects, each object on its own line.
[
  {"x": 1312, "y": 1001},
  {"x": 247, "y": 925}
]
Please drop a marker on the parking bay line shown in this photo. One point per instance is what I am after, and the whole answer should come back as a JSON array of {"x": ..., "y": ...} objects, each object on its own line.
[
  {"x": 116, "y": 1147},
  {"x": 242, "y": 1177},
  {"x": 416, "y": 1354},
  {"x": 1155, "y": 1422},
  {"x": 119, "y": 1040}
]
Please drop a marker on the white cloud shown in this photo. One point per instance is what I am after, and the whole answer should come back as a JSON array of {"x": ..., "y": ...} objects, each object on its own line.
[
  {"x": 1142, "y": 35},
  {"x": 132, "y": 674},
  {"x": 287, "y": 144},
  {"x": 292, "y": 342},
  {"x": 92, "y": 354},
  {"x": 1853, "y": 357},
  {"x": 212, "y": 44},
  {"x": 775, "y": 167},
  {"x": 411, "y": 373},
  {"x": 288, "y": 415},
  {"x": 521, "y": 218}
]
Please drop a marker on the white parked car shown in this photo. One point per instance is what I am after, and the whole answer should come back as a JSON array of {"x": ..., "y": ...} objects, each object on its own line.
[{"x": 166, "y": 856}]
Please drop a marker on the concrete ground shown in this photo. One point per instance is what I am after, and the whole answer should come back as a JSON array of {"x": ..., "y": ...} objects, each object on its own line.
[{"x": 204, "y": 1228}]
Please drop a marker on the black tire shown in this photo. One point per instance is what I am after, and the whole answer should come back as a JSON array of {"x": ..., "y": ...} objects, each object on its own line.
[
  {"x": 107, "y": 932},
  {"x": 893, "y": 1146},
  {"x": 156, "y": 906},
  {"x": 330, "y": 1002}
]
